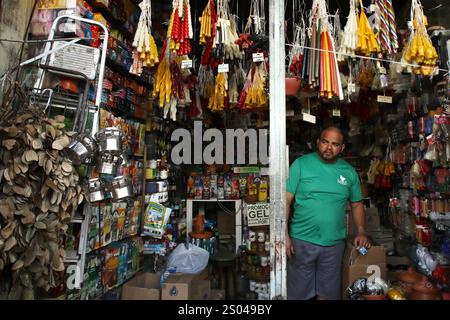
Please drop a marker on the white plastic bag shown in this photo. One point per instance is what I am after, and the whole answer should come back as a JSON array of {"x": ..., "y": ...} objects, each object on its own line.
[{"x": 193, "y": 260}]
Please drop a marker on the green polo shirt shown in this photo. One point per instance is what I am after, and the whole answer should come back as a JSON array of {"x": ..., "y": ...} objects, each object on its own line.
[{"x": 322, "y": 191}]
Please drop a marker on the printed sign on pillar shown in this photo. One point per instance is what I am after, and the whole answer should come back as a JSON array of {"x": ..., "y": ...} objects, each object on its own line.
[{"x": 258, "y": 214}]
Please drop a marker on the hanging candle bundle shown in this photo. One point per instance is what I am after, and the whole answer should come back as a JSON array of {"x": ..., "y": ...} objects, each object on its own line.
[
  {"x": 387, "y": 29},
  {"x": 320, "y": 67},
  {"x": 226, "y": 33},
  {"x": 180, "y": 28},
  {"x": 205, "y": 81},
  {"x": 217, "y": 100},
  {"x": 349, "y": 38},
  {"x": 420, "y": 50},
  {"x": 162, "y": 87},
  {"x": 367, "y": 40},
  {"x": 253, "y": 95},
  {"x": 145, "y": 53},
  {"x": 208, "y": 23},
  {"x": 237, "y": 81}
]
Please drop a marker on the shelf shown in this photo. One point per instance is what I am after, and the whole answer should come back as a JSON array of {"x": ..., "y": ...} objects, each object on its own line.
[
  {"x": 116, "y": 23},
  {"x": 78, "y": 219},
  {"x": 213, "y": 200},
  {"x": 257, "y": 253},
  {"x": 122, "y": 70},
  {"x": 259, "y": 278},
  {"x": 122, "y": 114},
  {"x": 113, "y": 242},
  {"x": 119, "y": 285}
]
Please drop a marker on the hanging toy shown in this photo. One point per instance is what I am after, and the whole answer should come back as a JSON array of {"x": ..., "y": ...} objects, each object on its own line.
[
  {"x": 145, "y": 53},
  {"x": 420, "y": 50}
]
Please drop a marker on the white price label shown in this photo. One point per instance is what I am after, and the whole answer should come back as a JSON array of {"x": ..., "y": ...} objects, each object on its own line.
[
  {"x": 258, "y": 57},
  {"x": 384, "y": 99},
  {"x": 372, "y": 8},
  {"x": 224, "y": 68},
  {"x": 309, "y": 118},
  {"x": 383, "y": 70},
  {"x": 352, "y": 87},
  {"x": 186, "y": 64},
  {"x": 336, "y": 113}
]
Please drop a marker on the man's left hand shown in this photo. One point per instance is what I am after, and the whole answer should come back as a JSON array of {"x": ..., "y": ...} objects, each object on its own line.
[{"x": 361, "y": 240}]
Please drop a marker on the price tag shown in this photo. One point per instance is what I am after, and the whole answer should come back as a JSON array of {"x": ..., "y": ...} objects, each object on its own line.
[
  {"x": 224, "y": 68},
  {"x": 186, "y": 64},
  {"x": 336, "y": 113},
  {"x": 384, "y": 99},
  {"x": 309, "y": 118},
  {"x": 372, "y": 8},
  {"x": 352, "y": 87},
  {"x": 383, "y": 70},
  {"x": 258, "y": 57}
]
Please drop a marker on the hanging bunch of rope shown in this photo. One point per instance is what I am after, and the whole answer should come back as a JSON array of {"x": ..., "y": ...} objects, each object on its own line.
[{"x": 145, "y": 53}]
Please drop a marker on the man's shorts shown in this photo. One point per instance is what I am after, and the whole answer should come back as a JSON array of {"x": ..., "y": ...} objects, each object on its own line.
[{"x": 314, "y": 270}]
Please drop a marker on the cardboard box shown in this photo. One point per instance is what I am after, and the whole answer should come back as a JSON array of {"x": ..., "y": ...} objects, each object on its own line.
[
  {"x": 143, "y": 287},
  {"x": 204, "y": 275},
  {"x": 356, "y": 266},
  {"x": 217, "y": 295},
  {"x": 181, "y": 286}
]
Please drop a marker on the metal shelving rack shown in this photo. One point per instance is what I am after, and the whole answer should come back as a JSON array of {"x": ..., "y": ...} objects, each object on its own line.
[{"x": 62, "y": 99}]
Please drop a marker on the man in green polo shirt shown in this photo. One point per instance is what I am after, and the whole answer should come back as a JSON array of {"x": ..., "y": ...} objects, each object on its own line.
[{"x": 321, "y": 184}]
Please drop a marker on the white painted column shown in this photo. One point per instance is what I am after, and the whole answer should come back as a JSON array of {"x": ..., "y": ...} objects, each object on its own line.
[{"x": 278, "y": 169}]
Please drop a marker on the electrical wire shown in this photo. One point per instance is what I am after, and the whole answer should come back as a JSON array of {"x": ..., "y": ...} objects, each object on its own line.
[
  {"x": 367, "y": 58},
  {"x": 228, "y": 211}
]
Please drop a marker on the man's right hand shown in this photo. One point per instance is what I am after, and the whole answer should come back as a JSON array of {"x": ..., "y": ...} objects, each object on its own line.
[{"x": 289, "y": 247}]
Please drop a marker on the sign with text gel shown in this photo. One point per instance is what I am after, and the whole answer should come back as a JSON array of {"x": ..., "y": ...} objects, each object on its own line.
[{"x": 258, "y": 214}]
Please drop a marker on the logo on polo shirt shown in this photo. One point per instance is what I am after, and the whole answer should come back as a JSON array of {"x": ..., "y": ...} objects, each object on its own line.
[{"x": 342, "y": 181}]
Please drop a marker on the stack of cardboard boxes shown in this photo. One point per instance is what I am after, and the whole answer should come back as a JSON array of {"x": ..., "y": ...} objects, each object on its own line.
[{"x": 178, "y": 286}]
